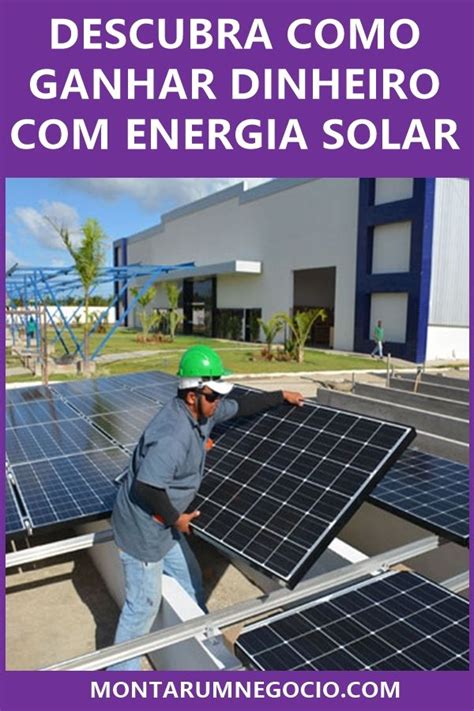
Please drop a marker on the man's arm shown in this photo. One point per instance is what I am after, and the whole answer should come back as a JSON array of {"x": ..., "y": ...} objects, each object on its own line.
[
  {"x": 158, "y": 504},
  {"x": 254, "y": 403}
]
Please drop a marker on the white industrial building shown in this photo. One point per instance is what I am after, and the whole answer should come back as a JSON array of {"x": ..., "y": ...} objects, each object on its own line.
[{"x": 394, "y": 249}]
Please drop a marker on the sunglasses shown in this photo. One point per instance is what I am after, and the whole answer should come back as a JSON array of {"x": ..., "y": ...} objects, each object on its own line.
[{"x": 210, "y": 397}]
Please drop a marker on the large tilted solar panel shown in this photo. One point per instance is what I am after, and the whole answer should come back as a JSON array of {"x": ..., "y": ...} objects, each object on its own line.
[
  {"x": 53, "y": 439},
  {"x": 13, "y": 518},
  {"x": 429, "y": 491},
  {"x": 70, "y": 488},
  {"x": 126, "y": 427},
  {"x": 279, "y": 486},
  {"x": 397, "y": 621},
  {"x": 37, "y": 412}
]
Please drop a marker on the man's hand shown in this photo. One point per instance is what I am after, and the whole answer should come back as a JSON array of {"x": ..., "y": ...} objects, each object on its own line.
[
  {"x": 183, "y": 521},
  {"x": 293, "y": 398}
]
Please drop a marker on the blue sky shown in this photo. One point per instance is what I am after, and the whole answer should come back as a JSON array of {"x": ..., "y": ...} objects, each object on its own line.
[{"x": 121, "y": 205}]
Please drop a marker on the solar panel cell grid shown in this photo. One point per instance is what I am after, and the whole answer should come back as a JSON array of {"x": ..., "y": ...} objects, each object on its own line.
[
  {"x": 278, "y": 485},
  {"x": 125, "y": 427},
  {"x": 53, "y": 439},
  {"x": 93, "y": 386},
  {"x": 64, "y": 464},
  {"x": 430, "y": 491},
  {"x": 100, "y": 403},
  {"x": 16, "y": 396},
  {"x": 394, "y": 622},
  {"x": 70, "y": 488},
  {"x": 44, "y": 410}
]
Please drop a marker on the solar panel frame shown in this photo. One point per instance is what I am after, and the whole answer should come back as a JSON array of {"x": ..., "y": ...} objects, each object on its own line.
[
  {"x": 279, "y": 416},
  {"x": 408, "y": 486},
  {"x": 64, "y": 490},
  {"x": 14, "y": 521},
  {"x": 361, "y": 623}
]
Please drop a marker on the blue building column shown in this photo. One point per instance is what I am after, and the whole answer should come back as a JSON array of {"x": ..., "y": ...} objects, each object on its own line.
[{"x": 415, "y": 283}]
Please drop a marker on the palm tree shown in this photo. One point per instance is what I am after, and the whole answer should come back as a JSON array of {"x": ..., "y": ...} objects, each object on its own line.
[
  {"x": 147, "y": 319},
  {"x": 88, "y": 259},
  {"x": 270, "y": 330},
  {"x": 300, "y": 326},
  {"x": 174, "y": 317}
]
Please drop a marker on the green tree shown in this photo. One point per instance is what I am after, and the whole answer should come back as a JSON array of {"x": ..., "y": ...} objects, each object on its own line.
[
  {"x": 173, "y": 316},
  {"x": 300, "y": 326},
  {"x": 270, "y": 330},
  {"x": 88, "y": 259},
  {"x": 147, "y": 318}
]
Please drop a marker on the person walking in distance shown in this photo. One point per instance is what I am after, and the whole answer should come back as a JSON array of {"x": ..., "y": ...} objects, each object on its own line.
[
  {"x": 379, "y": 339},
  {"x": 150, "y": 518}
]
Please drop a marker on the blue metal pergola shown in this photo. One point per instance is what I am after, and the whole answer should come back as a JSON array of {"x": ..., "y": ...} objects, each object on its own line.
[{"x": 32, "y": 287}]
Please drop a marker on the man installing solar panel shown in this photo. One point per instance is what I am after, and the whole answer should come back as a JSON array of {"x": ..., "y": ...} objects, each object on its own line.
[{"x": 164, "y": 475}]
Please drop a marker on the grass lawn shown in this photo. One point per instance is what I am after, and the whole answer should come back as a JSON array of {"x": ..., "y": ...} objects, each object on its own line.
[
  {"x": 247, "y": 360},
  {"x": 124, "y": 340},
  {"x": 240, "y": 357},
  {"x": 11, "y": 361}
]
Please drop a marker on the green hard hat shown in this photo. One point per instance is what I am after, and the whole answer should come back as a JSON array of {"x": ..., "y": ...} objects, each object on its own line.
[{"x": 201, "y": 362}]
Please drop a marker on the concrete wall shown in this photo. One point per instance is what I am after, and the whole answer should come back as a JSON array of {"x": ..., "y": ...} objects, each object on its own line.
[
  {"x": 392, "y": 310},
  {"x": 312, "y": 224},
  {"x": 390, "y": 189},
  {"x": 446, "y": 342},
  {"x": 373, "y": 530},
  {"x": 391, "y": 252},
  {"x": 449, "y": 294}
]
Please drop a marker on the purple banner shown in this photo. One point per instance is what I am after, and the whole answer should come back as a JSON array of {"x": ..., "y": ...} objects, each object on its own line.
[{"x": 289, "y": 89}]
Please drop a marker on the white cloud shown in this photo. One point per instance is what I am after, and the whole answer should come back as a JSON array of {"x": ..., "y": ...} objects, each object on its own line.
[
  {"x": 155, "y": 194},
  {"x": 11, "y": 259},
  {"x": 35, "y": 224}
]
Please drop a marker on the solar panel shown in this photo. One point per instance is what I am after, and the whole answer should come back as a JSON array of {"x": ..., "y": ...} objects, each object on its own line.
[
  {"x": 279, "y": 486},
  {"x": 16, "y": 396},
  {"x": 397, "y": 621},
  {"x": 160, "y": 392},
  {"x": 53, "y": 439},
  {"x": 44, "y": 410},
  {"x": 70, "y": 488},
  {"x": 91, "y": 386},
  {"x": 117, "y": 401},
  {"x": 126, "y": 427},
  {"x": 13, "y": 518},
  {"x": 429, "y": 491}
]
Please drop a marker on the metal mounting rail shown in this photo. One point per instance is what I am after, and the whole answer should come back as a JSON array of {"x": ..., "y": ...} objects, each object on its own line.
[
  {"x": 50, "y": 550},
  {"x": 244, "y": 610},
  {"x": 457, "y": 582}
]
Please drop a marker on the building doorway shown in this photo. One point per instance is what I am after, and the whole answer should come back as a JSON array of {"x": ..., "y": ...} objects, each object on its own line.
[
  {"x": 316, "y": 288},
  {"x": 199, "y": 304}
]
